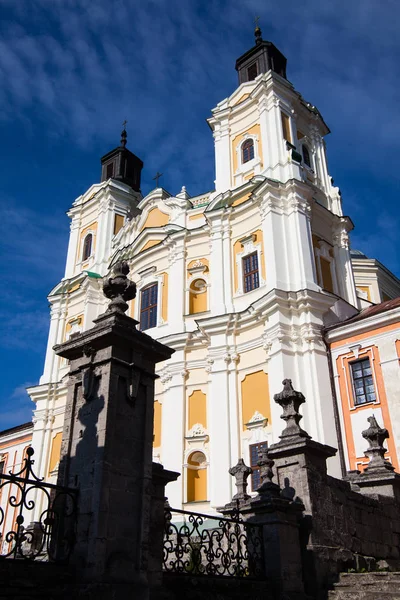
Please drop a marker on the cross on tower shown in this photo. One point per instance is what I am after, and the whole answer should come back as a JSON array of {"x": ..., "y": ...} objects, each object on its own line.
[
  {"x": 124, "y": 123},
  {"x": 256, "y": 19},
  {"x": 157, "y": 177}
]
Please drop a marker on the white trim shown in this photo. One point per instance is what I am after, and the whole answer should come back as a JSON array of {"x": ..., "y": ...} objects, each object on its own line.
[
  {"x": 249, "y": 247},
  {"x": 244, "y": 168}
]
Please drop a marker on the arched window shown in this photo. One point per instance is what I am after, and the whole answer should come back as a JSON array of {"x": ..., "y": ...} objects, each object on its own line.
[
  {"x": 306, "y": 156},
  {"x": 197, "y": 477},
  {"x": 247, "y": 150},
  {"x": 87, "y": 247},
  {"x": 197, "y": 296}
]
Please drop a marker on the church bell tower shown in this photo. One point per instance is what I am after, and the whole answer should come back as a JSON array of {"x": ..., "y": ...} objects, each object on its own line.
[
  {"x": 121, "y": 164},
  {"x": 263, "y": 57}
]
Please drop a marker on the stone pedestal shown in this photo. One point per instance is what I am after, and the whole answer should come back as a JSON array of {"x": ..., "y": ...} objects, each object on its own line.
[
  {"x": 279, "y": 519},
  {"x": 300, "y": 464},
  {"x": 107, "y": 453}
]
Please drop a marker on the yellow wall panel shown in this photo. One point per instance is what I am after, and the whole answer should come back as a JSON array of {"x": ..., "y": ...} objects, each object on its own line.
[
  {"x": 55, "y": 451},
  {"x": 237, "y": 140},
  {"x": 156, "y": 218},
  {"x": 93, "y": 229},
  {"x": 327, "y": 282},
  {"x": 365, "y": 289},
  {"x": 118, "y": 223},
  {"x": 150, "y": 244},
  {"x": 237, "y": 248},
  {"x": 255, "y": 396},
  {"x": 194, "y": 217},
  {"x": 164, "y": 298},
  {"x": 157, "y": 424},
  {"x": 197, "y": 479},
  {"x": 197, "y": 297},
  {"x": 259, "y": 239},
  {"x": 197, "y": 408},
  {"x": 242, "y": 199}
]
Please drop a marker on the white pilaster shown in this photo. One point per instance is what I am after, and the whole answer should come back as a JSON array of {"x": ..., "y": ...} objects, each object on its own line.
[
  {"x": 72, "y": 247},
  {"x": 222, "y": 154},
  {"x": 173, "y": 425},
  {"x": 220, "y": 433}
]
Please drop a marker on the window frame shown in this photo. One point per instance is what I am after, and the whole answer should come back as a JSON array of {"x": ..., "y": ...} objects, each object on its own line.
[
  {"x": 256, "y": 469},
  {"x": 251, "y": 273},
  {"x": 147, "y": 309},
  {"x": 247, "y": 145},
  {"x": 84, "y": 256},
  {"x": 254, "y": 64},
  {"x": 112, "y": 165},
  {"x": 309, "y": 164},
  {"x": 362, "y": 378},
  {"x": 287, "y": 128}
]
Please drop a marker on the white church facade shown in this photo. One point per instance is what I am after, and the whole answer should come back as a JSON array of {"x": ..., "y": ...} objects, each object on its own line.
[{"x": 241, "y": 282}]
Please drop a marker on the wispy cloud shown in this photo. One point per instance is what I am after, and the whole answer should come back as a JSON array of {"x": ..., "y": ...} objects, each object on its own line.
[
  {"x": 19, "y": 409},
  {"x": 383, "y": 242}
]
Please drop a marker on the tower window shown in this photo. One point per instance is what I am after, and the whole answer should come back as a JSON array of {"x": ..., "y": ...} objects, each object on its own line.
[
  {"x": 363, "y": 383},
  {"x": 247, "y": 150},
  {"x": 251, "y": 279},
  {"x": 110, "y": 171},
  {"x": 87, "y": 247},
  {"x": 252, "y": 72},
  {"x": 148, "y": 307},
  {"x": 255, "y": 450},
  {"x": 286, "y": 128},
  {"x": 306, "y": 155}
]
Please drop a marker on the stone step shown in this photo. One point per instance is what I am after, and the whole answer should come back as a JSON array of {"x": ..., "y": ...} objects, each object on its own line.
[
  {"x": 367, "y": 586},
  {"x": 354, "y": 594}
]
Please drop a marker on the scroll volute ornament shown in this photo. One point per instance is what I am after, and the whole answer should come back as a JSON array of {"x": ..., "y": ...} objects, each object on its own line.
[{"x": 119, "y": 288}]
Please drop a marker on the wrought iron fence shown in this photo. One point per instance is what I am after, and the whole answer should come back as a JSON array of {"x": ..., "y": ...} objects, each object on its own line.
[
  {"x": 51, "y": 536},
  {"x": 198, "y": 544}
]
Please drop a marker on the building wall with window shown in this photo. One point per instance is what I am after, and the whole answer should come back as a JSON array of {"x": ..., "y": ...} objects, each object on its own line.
[
  {"x": 374, "y": 282},
  {"x": 239, "y": 281},
  {"x": 13, "y": 445},
  {"x": 366, "y": 364}
]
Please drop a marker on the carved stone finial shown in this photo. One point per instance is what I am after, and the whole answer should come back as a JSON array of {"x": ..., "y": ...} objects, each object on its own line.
[
  {"x": 290, "y": 401},
  {"x": 119, "y": 288},
  {"x": 376, "y": 452},
  {"x": 241, "y": 473},
  {"x": 267, "y": 487}
]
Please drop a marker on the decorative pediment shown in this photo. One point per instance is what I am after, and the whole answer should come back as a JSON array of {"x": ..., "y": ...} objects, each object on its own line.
[
  {"x": 197, "y": 434},
  {"x": 257, "y": 420}
]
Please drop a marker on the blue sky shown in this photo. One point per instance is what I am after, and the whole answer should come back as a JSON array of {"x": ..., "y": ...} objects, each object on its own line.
[{"x": 73, "y": 70}]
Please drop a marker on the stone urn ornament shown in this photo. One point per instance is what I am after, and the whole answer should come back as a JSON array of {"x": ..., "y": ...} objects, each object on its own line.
[{"x": 119, "y": 288}]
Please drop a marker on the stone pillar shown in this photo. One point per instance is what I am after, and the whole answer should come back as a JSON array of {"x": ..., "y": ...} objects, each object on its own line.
[
  {"x": 278, "y": 518},
  {"x": 301, "y": 469},
  {"x": 107, "y": 448},
  {"x": 299, "y": 460}
]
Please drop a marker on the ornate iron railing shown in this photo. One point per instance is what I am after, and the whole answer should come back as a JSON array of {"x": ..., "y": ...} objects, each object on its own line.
[
  {"x": 198, "y": 544},
  {"x": 51, "y": 536}
]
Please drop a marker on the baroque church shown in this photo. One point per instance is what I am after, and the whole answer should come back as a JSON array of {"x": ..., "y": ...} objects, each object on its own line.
[{"x": 250, "y": 283}]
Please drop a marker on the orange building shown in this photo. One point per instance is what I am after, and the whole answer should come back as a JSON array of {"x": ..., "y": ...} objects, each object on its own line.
[
  {"x": 13, "y": 445},
  {"x": 365, "y": 356}
]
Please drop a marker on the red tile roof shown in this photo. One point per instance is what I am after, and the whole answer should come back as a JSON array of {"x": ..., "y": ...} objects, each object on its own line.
[{"x": 376, "y": 309}]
